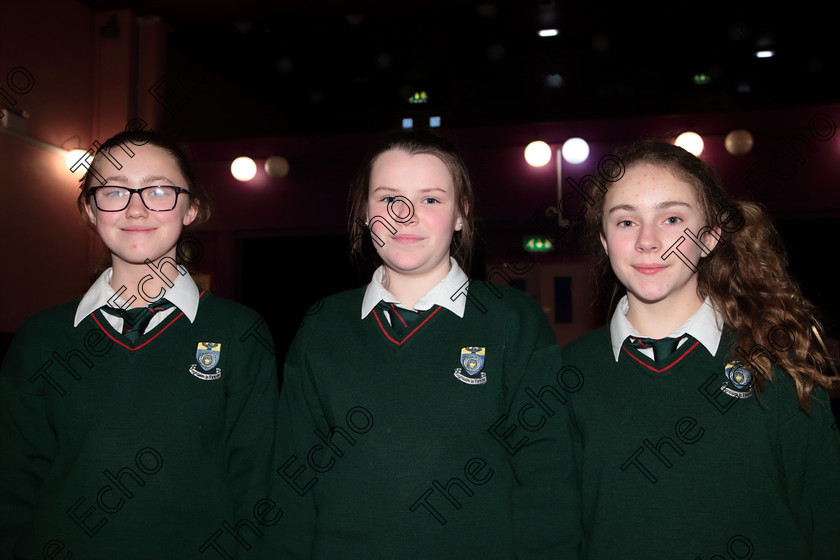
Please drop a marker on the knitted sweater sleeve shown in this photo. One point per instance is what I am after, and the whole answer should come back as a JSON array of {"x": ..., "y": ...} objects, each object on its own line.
[
  {"x": 27, "y": 442},
  {"x": 809, "y": 444},
  {"x": 537, "y": 436},
  {"x": 299, "y": 416},
  {"x": 250, "y": 416}
]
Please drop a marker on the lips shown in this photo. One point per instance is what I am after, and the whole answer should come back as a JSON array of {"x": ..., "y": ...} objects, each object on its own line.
[
  {"x": 137, "y": 229},
  {"x": 407, "y": 239},
  {"x": 649, "y": 268}
]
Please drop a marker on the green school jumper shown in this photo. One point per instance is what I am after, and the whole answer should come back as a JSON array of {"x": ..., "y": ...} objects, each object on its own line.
[
  {"x": 157, "y": 449},
  {"x": 411, "y": 447},
  {"x": 677, "y": 461}
]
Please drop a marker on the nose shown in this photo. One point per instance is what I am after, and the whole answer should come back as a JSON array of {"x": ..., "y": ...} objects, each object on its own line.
[
  {"x": 136, "y": 207},
  {"x": 401, "y": 210},
  {"x": 648, "y": 238}
]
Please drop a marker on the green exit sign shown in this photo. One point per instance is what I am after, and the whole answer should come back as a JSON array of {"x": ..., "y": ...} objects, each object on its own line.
[{"x": 537, "y": 243}]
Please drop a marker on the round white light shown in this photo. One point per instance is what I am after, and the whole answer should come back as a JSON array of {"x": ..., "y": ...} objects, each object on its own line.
[
  {"x": 537, "y": 153},
  {"x": 73, "y": 157},
  {"x": 243, "y": 168},
  {"x": 738, "y": 142},
  {"x": 277, "y": 166},
  {"x": 691, "y": 142},
  {"x": 575, "y": 150}
]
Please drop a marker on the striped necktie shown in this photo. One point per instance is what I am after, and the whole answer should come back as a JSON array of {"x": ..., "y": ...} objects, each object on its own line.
[
  {"x": 662, "y": 348},
  {"x": 402, "y": 320},
  {"x": 136, "y": 320}
]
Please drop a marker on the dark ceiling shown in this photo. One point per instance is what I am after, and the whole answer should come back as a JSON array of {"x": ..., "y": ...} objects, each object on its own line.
[{"x": 322, "y": 66}]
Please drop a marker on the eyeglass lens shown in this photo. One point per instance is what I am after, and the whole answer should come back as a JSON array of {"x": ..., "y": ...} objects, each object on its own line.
[{"x": 160, "y": 198}]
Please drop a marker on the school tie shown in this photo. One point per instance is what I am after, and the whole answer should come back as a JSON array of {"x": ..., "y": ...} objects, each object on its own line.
[
  {"x": 136, "y": 320},
  {"x": 402, "y": 320},
  {"x": 662, "y": 348}
]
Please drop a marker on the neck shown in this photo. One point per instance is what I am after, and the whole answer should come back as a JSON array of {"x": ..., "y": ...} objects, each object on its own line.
[
  {"x": 141, "y": 284},
  {"x": 659, "y": 319},
  {"x": 409, "y": 288}
]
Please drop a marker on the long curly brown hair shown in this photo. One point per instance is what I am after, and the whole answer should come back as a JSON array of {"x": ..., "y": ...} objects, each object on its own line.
[{"x": 745, "y": 276}]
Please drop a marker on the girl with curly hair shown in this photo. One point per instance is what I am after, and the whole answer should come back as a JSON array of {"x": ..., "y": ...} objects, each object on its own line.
[{"x": 703, "y": 425}]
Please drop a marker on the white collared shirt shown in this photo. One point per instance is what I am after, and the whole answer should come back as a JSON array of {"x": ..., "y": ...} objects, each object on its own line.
[
  {"x": 706, "y": 325},
  {"x": 183, "y": 294},
  {"x": 450, "y": 293}
]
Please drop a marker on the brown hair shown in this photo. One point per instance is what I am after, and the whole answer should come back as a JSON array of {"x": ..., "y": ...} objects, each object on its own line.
[
  {"x": 745, "y": 276},
  {"x": 413, "y": 142},
  {"x": 124, "y": 141}
]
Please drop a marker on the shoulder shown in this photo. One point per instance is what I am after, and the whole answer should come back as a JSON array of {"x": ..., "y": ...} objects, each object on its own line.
[
  {"x": 342, "y": 304},
  {"x": 593, "y": 342},
  {"x": 234, "y": 321},
  {"x": 40, "y": 335},
  {"x": 56, "y": 318},
  {"x": 345, "y": 298},
  {"x": 326, "y": 319},
  {"x": 519, "y": 312}
]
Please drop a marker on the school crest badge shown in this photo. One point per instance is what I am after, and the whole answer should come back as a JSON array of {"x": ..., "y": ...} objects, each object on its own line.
[
  {"x": 472, "y": 363},
  {"x": 207, "y": 355},
  {"x": 738, "y": 382}
]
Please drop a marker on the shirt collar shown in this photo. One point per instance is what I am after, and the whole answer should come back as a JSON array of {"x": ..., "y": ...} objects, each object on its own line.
[
  {"x": 183, "y": 294},
  {"x": 705, "y": 325},
  {"x": 442, "y": 294}
]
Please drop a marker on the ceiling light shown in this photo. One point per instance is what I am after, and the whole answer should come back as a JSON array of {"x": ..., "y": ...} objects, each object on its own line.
[
  {"x": 243, "y": 169},
  {"x": 537, "y": 153},
  {"x": 575, "y": 150},
  {"x": 691, "y": 142},
  {"x": 738, "y": 142},
  {"x": 75, "y": 155},
  {"x": 277, "y": 167}
]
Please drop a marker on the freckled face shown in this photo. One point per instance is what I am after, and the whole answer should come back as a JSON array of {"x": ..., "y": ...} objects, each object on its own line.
[
  {"x": 136, "y": 233},
  {"x": 645, "y": 215},
  {"x": 412, "y": 210}
]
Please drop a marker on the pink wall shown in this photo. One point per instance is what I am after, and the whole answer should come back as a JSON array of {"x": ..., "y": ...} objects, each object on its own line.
[
  {"x": 82, "y": 88},
  {"x": 88, "y": 86},
  {"x": 795, "y": 161},
  {"x": 43, "y": 242}
]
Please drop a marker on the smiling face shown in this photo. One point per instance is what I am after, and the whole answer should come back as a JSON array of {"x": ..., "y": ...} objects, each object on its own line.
[
  {"x": 412, "y": 209},
  {"x": 136, "y": 234},
  {"x": 644, "y": 215}
]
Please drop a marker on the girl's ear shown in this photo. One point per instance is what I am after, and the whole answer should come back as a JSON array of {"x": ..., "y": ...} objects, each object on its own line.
[
  {"x": 604, "y": 243},
  {"x": 459, "y": 220},
  {"x": 710, "y": 240},
  {"x": 191, "y": 213},
  {"x": 90, "y": 214}
]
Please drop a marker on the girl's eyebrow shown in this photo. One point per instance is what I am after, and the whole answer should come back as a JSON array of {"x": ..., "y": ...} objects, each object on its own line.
[
  {"x": 660, "y": 205},
  {"x": 384, "y": 188},
  {"x": 672, "y": 203},
  {"x": 147, "y": 179}
]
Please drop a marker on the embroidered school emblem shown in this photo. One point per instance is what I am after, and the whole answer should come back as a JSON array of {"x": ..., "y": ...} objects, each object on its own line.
[
  {"x": 207, "y": 355},
  {"x": 738, "y": 382},
  {"x": 472, "y": 362}
]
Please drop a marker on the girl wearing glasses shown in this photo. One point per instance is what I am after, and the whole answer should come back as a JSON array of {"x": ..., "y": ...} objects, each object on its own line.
[{"x": 137, "y": 420}]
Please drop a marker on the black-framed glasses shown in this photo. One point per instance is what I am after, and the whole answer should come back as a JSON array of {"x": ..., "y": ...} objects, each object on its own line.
[{"x": 157, "y": 198}]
